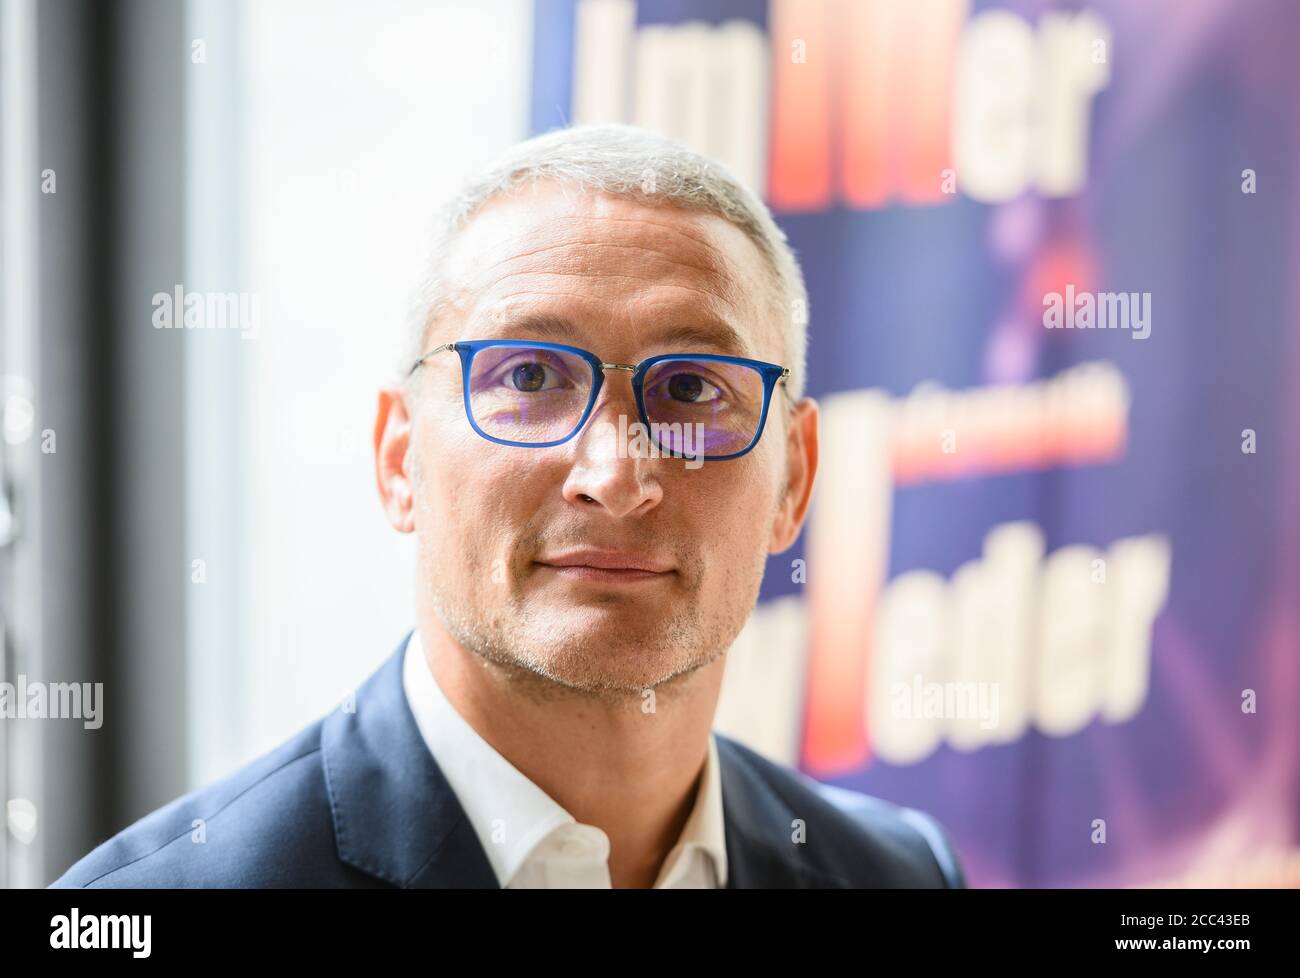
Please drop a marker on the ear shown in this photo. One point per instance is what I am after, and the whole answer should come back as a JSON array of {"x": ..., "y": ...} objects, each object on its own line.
[
  {"x": 392, "y": 472},
  {"x": 801, "y": 470}
]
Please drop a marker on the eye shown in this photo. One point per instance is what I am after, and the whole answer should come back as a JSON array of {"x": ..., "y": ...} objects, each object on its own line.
[
  {"x": 528, "y": 376},
  {"x": 688, "y": 388}
]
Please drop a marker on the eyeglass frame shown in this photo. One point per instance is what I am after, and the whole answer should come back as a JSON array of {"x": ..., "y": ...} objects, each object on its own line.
[{"x": 771, "y": 373}]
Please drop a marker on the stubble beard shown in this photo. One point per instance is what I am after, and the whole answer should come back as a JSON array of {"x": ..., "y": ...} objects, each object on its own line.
[{"x": 547, "y": 662}]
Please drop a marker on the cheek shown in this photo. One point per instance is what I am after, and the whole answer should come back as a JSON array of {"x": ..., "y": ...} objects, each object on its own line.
[
  {"x": 448, "y": 500},
  {"x": 731, "y": 504},
  {"x": 485, "y": 500},
  {"x": 761, "y": 474}
]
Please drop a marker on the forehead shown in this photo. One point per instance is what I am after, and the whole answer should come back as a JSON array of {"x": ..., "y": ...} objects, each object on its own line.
[{"x": 618, "y": 274}]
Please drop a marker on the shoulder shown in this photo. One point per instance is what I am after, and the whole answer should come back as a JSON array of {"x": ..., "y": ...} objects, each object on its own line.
[
  {"x": 268, "y": 824},
  {"x": 853, "y": 838}
]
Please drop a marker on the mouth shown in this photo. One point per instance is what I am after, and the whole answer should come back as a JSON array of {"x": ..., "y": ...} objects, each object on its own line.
[{"x": 606, "y": 567}]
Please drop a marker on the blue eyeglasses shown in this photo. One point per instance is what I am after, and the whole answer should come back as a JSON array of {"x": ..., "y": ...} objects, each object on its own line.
[{"x": 537, "y": 395}]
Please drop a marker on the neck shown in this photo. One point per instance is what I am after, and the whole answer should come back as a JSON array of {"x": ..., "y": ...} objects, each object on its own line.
[{"x": 607, "y": 760}]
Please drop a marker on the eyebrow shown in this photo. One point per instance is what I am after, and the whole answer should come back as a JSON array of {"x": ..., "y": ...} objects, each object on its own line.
[{"x": 707, "y": 332}]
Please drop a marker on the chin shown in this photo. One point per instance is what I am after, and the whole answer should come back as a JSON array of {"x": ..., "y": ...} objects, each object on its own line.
[{"x": 609, "y": 657}]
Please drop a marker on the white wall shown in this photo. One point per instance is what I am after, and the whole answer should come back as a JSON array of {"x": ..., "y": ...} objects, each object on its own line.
[{"x": 355, "y": 119}]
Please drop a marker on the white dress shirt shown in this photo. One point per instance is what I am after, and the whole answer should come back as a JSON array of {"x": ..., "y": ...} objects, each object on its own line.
[{"x": 530, "y": 840}]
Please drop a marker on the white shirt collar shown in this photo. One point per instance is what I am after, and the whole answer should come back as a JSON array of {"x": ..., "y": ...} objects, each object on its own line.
[{"x": 513, "y": 817}]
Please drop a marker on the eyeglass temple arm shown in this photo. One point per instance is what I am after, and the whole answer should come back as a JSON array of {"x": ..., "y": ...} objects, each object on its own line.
[
  {"x": 437, "y": 349},
  {"x": 785, "y": 375}
]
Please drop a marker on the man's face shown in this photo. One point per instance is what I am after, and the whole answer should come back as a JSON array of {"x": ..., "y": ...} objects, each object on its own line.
[{"x": 530, "y": 556}]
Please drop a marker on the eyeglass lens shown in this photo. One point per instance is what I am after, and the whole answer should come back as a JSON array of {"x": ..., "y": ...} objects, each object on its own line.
[{"x": 535, "y": 394}]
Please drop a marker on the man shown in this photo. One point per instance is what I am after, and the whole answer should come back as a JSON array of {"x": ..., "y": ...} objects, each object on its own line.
[{"x": 599, "y": 438}]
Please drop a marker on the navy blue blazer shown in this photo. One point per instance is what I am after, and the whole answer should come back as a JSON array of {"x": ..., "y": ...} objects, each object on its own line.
[{"x": 356, "y": 800}]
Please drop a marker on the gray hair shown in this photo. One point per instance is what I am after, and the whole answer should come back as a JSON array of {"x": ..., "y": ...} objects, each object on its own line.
[{"x": 623, "y": 161}]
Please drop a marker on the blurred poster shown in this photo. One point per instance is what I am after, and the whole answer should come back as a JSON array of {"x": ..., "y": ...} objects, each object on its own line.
[{"x": 1050, "y": 590}]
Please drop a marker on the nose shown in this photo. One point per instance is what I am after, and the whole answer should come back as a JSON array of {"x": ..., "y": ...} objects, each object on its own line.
[{"x": 607, "y": 473}]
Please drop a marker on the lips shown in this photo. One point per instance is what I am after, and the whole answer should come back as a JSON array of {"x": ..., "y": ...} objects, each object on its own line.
[{"x": 606, "y": 566}]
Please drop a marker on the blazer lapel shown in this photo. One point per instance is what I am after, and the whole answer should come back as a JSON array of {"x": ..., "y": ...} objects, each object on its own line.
[
  {"x": 758, "y": 827},
  {"x": 395, "y": 815},
  {"x": 397, "y": 818}
]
